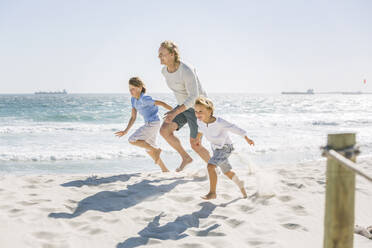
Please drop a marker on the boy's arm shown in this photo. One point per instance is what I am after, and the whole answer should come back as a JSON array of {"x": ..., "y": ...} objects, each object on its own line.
[
  {"x": 237, "y": 130},
  {"x": 163, "y": 104},
  {"x": 130, "y": 123},
  {"x": 132, "y": 119}
]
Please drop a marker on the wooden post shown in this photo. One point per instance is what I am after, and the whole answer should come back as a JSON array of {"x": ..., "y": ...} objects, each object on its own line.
[{"x": 340, "y": 189}]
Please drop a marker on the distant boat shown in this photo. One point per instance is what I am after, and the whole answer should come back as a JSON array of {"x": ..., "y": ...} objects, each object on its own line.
[
  {"x": 352, "y": 93},
  {"x": 51, "y": 92},
  {"x": 308, "y": 92}
]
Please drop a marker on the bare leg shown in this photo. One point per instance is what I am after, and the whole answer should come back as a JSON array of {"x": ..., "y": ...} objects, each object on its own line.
[
  {"x": 200, "y": 149},
  {"x": 167, "y": 131},
  {"x": 143, "y": 144},
  {"x": 156, "y": 151},
  {"x": 158, "y": 162},
  {"x": 231, "y": 175},
  {"x": 162, "y": 166},
  {"x": 212, "y": 183}
]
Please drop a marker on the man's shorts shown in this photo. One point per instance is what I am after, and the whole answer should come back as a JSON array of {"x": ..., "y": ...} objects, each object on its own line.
[
  {"x": 220, "y": 157},
  {"x": 147, "y": 132},
  {"x": 188, "y": 117}
]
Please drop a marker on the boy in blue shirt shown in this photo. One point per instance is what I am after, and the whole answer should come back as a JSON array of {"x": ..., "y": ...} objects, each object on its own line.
[{"x": 145, "y": 136}]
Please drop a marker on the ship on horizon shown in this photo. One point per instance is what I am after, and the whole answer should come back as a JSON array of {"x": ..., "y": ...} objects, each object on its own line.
[
  {"x": 308, "y": 92},
  {"x": 51, "y": 92}
]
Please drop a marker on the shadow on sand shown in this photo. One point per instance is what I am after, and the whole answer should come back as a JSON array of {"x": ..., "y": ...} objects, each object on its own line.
[
  {"x": 94, "y": 181},
  {"x": 174, "y": 230},
  {"x": 107, "y": 201}
]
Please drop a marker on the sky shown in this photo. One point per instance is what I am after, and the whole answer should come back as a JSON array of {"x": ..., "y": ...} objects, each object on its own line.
[{"x": 266, "y": 46}]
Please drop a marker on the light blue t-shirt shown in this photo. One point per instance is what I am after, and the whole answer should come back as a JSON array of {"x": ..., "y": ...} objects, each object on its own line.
[{"x": 145, "y": 105}]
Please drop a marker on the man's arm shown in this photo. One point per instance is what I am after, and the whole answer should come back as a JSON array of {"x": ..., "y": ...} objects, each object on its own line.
[
  {"x": 191, "y": 86},
  {"x": 170, "y": 115},
  {"x": 192, "y": 91}
]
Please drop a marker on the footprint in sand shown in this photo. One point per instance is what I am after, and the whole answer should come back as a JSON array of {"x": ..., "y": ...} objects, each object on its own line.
[
  {"x": 45, "y": 235},
  {"x": 300, "y": 210},
  {"x": 294, "y": 185},
  {"x": 259, "y": 243},
  {"x": 69, "y": 207},
  {"x": 247, "y": 209},
  {"x": 294, "y": 226},
  {"x": 32, "y": 181},
  {"x": 25, "y": 203},
  {"x": 219, "y": 217},
  {"x": 285, "y": 198},
  {"x": 93, "y": 231},
  {"x": 90, "y": 230},
  {"x": 30, "y": 187},
  {"x": 182, "y": 198},
  {"x": 234, "y": 222},
  {"x": 15, "y": 210},
  {"x": 77, "y": 223},
  {"x": 48, "y": 209},
  {"x": 191, "y": 245},
  {"x": 112, "y": 221}
]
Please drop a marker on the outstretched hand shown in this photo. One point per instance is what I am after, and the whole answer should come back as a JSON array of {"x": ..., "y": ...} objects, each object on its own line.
[
  {"x": 251, "y": 142},
  {"x": 121, "y": 133}
]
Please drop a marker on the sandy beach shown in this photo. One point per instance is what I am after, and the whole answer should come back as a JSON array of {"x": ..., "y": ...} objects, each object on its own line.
[
  {"x": 96, "y": 95},
  {"x": 285, "y": 208}
]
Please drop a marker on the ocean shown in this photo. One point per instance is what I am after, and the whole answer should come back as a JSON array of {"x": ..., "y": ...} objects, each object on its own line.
[{"x": 74, "y": 133}]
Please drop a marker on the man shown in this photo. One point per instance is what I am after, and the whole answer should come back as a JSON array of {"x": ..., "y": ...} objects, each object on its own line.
[{"x": 183, "y": 81}]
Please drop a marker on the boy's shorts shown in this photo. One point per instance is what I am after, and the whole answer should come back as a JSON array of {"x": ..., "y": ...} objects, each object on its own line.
[
  {"x": 220, "y": 157},
  {"x": 147, "y": 132},
  {"x": 188, "y": 117}
]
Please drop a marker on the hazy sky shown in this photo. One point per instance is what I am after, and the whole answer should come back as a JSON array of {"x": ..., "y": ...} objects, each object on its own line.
[{"x": 258, "y": 46}]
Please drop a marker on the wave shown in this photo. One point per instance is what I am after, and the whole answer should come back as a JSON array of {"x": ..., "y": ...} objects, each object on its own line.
[
  {"x": 77, "y": 117},
  {"x": 60, "y": 128},
  {"x": 325, "y": 123},
  {"x": 50, "y": 157}
]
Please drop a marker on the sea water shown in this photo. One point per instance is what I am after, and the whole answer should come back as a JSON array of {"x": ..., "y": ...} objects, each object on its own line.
[{"x": 74, "y": 133}]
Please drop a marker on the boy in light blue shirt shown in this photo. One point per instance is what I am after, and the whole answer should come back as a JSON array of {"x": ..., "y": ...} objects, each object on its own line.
[
  {"x": 145, "y": 136},
  {"x": 145, "y": 105}
]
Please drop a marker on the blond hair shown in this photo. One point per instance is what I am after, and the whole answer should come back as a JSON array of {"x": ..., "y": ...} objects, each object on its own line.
[
  {"x": 137, "y": 82},
  {"x": 172, "y": 48},
  {"x": 206, "y": 102}
]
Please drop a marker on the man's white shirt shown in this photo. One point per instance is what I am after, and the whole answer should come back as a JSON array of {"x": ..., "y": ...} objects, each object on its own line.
[{"x": 185, "y": 84}]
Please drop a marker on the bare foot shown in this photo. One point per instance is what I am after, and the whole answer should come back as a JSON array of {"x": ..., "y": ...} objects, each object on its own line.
[
  {"x": 164, "y": 170},
  {"x": 157, "y": 155},
  {"x": 242, "y": 189},
  {"x": 185, "y": 162},
  {"x": 209, "y": 196},
  {"x": 243, "y": 192}
]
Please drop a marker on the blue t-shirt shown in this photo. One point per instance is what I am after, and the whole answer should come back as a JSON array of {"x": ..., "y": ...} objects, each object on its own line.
[{"x": 145, "y": 105}]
